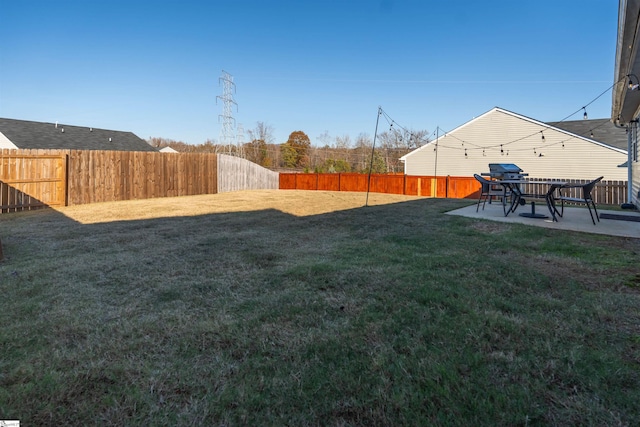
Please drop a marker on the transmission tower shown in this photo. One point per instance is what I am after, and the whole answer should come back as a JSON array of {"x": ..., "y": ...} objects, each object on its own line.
[{"x": 228, "y": 122}]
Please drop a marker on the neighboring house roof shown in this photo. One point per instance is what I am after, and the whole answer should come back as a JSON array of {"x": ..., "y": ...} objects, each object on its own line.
[
  {"x": 167, "y": 150},
  {"x": 23, "y": 134},
  {"x": 603, "y": 131},
  {"x": 499, "y": 136}
]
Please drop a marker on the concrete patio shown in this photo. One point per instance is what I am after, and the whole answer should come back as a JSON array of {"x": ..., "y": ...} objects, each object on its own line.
[{"x": 574, "y": 219}]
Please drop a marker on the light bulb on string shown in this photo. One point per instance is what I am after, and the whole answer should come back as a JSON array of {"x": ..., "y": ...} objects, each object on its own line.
[
  {"x": 542, "y": 136},
  {"x": 501, "y": 150},
  {"x": 585, "y": 116}
]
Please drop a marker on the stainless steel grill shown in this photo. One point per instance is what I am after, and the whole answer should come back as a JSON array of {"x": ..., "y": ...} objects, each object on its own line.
[{"x": 505, "y": 171}]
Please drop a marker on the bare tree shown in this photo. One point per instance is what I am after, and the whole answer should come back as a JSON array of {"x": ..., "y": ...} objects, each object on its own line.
[
  {"x": 362, "y": 152},
  {"x": 256, "y": 149}
]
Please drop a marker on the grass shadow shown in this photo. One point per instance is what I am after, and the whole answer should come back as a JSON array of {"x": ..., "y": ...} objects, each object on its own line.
[{"x": 387, "y": 314}]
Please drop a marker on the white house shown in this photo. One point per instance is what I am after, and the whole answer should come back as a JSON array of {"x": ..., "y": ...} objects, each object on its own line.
[
  {"x": 167, "y": 150},
  {"x": 500, "y": 136},
  {"x": 625, "y": 109}
]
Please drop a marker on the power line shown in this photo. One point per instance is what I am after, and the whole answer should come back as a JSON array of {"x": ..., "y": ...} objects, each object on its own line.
[{"x": 228, "y": 122}]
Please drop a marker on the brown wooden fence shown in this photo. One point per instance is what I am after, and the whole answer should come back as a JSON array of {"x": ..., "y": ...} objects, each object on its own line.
[
  {"x": 103, "y": 176},
  {"x": 459, "y": 187},
  {"x": 604, "y": 193},
  {"x": 31, "y": 181}
]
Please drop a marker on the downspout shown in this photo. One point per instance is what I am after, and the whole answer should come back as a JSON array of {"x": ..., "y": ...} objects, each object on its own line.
[
  {"x": 632, "y": 134},
  {"x": 632, "y": 128}
]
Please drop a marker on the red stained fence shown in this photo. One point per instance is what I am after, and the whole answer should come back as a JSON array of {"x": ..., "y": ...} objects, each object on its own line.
[
  {"x": 456, "y": 187},
  {"x": 427, "y": 186}
]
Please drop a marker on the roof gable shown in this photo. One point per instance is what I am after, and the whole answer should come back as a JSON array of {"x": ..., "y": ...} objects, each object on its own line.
[
  {"x": 40, "y": 135},
  {"x": 498, "y": 110}
]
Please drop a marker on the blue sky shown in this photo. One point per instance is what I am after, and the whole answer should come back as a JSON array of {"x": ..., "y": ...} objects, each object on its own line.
[{"x": 153, "y": 67}]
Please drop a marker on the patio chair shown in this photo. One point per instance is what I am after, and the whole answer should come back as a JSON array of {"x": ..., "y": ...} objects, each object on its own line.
[
  {"x": 488, "y": 190},
  {"x": 583, "y": 190}
]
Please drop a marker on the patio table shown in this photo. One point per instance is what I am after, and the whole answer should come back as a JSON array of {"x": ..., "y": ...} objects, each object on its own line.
[{"x": 518, "y": 197}]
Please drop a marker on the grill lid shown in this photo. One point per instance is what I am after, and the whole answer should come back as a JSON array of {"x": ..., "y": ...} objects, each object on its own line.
[{"x": 504, "y": 168}]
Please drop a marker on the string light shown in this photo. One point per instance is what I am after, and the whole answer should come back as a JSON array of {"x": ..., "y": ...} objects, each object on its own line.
[{"x": 585, "y": 116}]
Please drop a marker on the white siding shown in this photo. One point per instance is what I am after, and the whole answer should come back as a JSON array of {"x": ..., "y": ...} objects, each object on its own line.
[
  {"x": 563, "y": 155},
  {"x": 6, "y": 143}
]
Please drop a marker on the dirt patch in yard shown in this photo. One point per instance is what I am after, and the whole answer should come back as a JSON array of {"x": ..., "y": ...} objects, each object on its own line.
[{"x": 298, "y": 203}]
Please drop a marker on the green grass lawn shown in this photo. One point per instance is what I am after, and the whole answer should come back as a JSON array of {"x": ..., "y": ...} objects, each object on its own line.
[{"x": 383, "y": 315}]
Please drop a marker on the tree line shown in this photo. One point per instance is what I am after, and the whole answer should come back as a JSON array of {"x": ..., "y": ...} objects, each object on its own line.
[{"x": 331, "y": 154}]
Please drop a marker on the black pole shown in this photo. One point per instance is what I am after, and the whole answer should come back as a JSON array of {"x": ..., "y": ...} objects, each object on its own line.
[
  {"x": 435, "y": 166},
  {"x": 373, "y": 149}
]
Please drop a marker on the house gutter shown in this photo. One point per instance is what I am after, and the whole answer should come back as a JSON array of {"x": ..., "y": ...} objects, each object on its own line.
[{"x": 626, "y": 52}]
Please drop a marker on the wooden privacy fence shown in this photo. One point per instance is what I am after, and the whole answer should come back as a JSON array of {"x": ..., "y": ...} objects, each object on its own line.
[
  {"x": 427, "y": 186},
  {"x": 29, "y": 181},
  {"x": 32, "y": 179},
  {"x": 104, "y": 176},
  {"x": 459, "y": 187},
  {"x": 604, "y": 193},
  {"x": 235, "y": 173}
]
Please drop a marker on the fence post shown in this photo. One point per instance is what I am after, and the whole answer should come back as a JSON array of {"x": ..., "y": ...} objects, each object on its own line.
[
  {"x": 446, "y": 188},
  {"x": 66, "y": 180}
]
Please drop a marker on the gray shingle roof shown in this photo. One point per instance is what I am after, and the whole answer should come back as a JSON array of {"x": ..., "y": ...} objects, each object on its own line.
[
  {"x": 31, "y": 135},
  {"x": 603, "y": 131}
]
